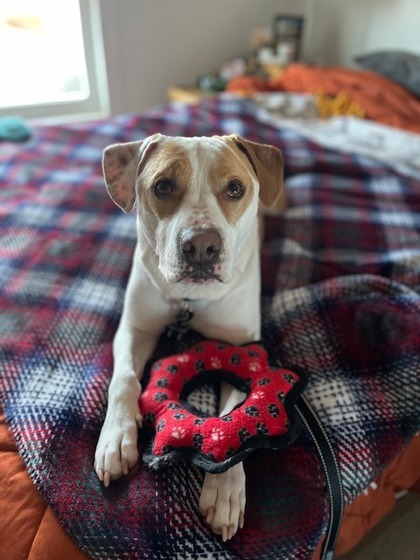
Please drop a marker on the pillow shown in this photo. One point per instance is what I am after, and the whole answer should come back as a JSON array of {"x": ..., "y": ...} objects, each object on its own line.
[
  {"x": 266, "y": 418},
  {"x": 401, "y": 67}
]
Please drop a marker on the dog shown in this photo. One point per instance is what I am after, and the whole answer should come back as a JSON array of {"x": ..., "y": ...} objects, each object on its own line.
[{"x": 197, "y": 204}]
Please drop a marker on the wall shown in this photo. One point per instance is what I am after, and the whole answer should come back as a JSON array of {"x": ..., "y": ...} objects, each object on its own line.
[
  {"x": 151, "y": 44},
  {"x": 343, "y": 29}
]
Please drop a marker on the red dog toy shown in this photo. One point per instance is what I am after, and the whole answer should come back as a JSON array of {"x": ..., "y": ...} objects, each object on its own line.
[{"x": 265, "y": 419}]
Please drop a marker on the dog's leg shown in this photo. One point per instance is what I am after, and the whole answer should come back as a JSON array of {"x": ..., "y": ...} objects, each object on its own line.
[
  {"x": 223, "y": 496},
  {"x": 116, "y": 451}
]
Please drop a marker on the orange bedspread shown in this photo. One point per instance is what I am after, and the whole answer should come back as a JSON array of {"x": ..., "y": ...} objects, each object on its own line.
[
  {"x": 383, "y": 100},
  {"x": 29, "y": 529}
]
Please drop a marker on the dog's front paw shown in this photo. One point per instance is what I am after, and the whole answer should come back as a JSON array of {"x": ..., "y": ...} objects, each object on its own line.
[
  {"x": 222, "y": 501},
  {"x": 116, "y": 451}
]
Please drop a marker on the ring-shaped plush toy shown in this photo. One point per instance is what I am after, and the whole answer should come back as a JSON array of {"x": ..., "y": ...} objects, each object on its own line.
[{"x": 266, "y": 419}]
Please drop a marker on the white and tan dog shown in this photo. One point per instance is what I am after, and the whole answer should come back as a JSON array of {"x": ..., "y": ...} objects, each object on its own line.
[{"x": 198, "y": 238}]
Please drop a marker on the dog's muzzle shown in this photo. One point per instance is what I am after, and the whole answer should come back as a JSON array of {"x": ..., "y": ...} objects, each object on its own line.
[{"x": 200, "y": 251}]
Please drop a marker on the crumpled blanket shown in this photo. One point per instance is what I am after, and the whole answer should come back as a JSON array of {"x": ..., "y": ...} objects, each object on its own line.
[
  {"x": 382, "y": 100},
  {"x": 340, "y": 299},
  {"x": 397, "y": 148}
]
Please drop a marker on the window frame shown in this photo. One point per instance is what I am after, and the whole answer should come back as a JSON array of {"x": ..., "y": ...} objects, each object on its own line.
[{"x": 96, "y": 105}]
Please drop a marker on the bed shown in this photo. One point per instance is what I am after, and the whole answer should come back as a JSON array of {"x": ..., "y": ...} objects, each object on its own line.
[{"x": 340, "y": 300}]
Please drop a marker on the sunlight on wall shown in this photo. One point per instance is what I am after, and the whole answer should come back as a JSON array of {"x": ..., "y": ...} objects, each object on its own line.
[{"x": 43, "y": 58}]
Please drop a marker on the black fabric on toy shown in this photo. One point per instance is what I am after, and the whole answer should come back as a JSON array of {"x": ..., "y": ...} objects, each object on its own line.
[{"x": 266, "y": 419}]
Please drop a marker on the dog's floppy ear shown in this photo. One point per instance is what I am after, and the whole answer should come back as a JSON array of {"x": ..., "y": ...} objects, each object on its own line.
[
  {"x": 120, "y": 164},
  {"x": 267, "y": 163}
]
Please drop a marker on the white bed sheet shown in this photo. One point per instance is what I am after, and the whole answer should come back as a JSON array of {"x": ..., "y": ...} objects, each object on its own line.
[{"x": 395, "y": 147}]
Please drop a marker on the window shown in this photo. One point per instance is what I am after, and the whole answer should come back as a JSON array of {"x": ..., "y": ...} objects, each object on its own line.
[{"x": 52, "y": 58}]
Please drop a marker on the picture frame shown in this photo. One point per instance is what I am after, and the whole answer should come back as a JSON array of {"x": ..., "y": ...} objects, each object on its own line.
[{"x": 287, "y": 35}]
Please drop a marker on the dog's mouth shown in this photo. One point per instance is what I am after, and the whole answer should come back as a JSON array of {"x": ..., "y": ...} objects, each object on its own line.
[{"x": 200, "y": 277}]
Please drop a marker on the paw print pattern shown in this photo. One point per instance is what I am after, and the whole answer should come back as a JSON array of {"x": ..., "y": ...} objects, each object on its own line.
[
  {"x": 227, "y": 418},
  {"x": 178, "y": 432},
  {"x": 215, "y": 362},
  {"x": 243, "y": 434},
  {"x": 251, "y": 411},
  {"x": 217, "y": 434},
  {"x": 289, "y": 378},
  {"x": 200, "y": 366},
  {"x": 172, "y": 369},
  {"x": 235, "y": 359},
  {"x": 255, "y": 367},
  {"x": 183, "y": 359},
  {"x": 199, "y": 421},
  {"x": 162, "y": 382},
  {"x": 281, "y": 396},
  {"x": 160, "y": 426},
  {"x": 273, "y": 410},
  {"x": 160, "y": 397},
  {"x": 264, "y": 381},
  {"x": 262, "y": 429},
  {"x": 179, "y": 416},
  {"x": 174, "y": 406}
]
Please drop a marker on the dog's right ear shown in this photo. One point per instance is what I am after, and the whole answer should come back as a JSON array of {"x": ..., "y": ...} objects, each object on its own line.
[{"x": 121, "y": 164}]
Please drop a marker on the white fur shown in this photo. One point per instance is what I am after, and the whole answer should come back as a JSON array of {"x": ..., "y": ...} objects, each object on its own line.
[{"x": 227, "y": 310}]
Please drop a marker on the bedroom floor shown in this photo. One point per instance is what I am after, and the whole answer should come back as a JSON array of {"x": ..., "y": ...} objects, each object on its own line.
[{"x": 397, "y": 536}]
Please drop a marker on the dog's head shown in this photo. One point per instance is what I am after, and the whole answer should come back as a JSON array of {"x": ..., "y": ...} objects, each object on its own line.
[{"x": 196, "y": 198}]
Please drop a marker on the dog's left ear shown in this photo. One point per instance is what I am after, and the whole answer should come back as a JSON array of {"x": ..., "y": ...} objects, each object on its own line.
[{"x": 267, "y": 163}]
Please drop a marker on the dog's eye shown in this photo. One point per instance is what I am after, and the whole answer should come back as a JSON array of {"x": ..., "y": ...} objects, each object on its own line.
[
  {"x": 235, "y": 189},
  {"x": 163, "y": 188}
]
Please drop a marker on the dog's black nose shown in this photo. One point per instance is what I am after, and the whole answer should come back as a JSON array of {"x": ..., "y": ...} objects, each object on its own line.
[{"x": 201, "y": 247}]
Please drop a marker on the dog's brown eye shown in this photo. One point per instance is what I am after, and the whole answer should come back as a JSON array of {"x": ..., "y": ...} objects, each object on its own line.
[
  {"x": 235, "y": 189},
  {"x": 162, "y": 189}
]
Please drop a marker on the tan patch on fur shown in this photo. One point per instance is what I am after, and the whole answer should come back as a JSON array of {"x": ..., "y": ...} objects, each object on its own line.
[
  {"x": 169, "y": 163},
  {"x": 227, "y": 168}
]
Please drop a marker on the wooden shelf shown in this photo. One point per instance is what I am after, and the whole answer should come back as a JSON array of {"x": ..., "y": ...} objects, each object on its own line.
[{"x": 186, "y": 94}]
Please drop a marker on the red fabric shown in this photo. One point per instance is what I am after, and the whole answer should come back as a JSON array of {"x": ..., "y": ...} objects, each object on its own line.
[{"x": 263, "y": 413}]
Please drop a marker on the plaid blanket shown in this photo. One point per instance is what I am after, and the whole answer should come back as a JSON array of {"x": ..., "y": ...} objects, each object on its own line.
[{"x": 341, "y": 300}]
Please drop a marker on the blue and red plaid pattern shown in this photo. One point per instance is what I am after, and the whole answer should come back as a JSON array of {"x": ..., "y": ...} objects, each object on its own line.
[{"x": 341, "y": 300}]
